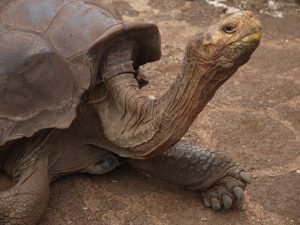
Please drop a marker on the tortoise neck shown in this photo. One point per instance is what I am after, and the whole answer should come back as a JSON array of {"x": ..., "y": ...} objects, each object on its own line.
[
  {"x": 188, "y": 95},
  {"x": 140, "y": 125},
  {"x": 192, "y": 89}
]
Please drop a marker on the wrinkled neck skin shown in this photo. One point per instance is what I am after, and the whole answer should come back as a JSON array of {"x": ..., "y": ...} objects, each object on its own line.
[{"x": 141, "y": 126}]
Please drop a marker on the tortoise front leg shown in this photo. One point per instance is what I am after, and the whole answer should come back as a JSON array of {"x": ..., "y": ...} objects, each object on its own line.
[
  {"x": 26, "y": 201},
  {"x": 220, "y": 180}
]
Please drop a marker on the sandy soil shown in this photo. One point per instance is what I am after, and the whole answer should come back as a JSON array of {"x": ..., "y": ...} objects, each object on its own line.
[{"x": 254, "y": 118}]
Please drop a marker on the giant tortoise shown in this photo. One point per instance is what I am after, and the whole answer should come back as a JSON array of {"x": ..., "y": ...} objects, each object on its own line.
[{"x": 71, "y": 101}]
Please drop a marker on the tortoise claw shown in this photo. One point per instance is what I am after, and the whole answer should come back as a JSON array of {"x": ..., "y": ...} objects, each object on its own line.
[
  {"x": 239, "y": 193},
  {"x": 215, "y": 203},
  {"x": 227, "y": 202},
  {"x": 245, "y": 177},
  {"x": 206, "y": 202}
]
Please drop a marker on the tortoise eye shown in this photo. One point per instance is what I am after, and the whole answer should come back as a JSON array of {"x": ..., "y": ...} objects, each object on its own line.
[{"x": 229, "y": 29}]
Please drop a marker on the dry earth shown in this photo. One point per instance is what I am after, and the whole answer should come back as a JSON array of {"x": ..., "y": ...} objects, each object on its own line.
[{"x": 254, "y": 118}]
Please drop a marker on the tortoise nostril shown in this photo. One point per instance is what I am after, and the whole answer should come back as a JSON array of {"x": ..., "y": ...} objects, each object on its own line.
[{"x": 249, "y": 15}]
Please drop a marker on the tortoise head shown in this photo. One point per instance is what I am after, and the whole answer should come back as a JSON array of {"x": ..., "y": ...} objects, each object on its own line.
[{"x": 230, "y": 42}]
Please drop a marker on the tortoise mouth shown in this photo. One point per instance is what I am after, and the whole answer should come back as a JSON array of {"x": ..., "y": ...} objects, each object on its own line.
[
  {"x": 249, "y": 41},
  {"x": 255, "y": 36}
]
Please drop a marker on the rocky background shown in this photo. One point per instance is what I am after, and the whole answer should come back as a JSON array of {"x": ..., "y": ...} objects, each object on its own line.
[{"x": 254, "y": 118}]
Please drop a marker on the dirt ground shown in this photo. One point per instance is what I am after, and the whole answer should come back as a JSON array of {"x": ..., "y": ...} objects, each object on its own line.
[{"x": 254, "y": 118}]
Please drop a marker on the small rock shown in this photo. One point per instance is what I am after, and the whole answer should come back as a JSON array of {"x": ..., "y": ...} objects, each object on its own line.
[
  {"x": 203, "y": 219},
  {"x": 298, "y": 171}
]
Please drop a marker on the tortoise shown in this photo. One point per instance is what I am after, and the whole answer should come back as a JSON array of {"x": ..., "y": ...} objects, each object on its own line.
[{"x": 72, "y": 101}]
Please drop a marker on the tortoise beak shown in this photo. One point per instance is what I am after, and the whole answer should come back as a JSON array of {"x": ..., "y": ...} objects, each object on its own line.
[{"x": 252, "y": 37}]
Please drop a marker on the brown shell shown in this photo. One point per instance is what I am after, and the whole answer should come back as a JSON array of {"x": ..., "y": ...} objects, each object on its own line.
[{"x": 45, "y": 47}]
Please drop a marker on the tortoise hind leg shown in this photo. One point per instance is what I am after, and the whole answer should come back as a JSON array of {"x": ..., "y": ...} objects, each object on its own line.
[
  {"x": 220, "y": 180},
  {"x": 26, "y": 201}
]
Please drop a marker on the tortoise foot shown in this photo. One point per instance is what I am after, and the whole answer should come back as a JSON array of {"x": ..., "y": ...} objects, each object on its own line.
[{"x": 227, "y": 191}]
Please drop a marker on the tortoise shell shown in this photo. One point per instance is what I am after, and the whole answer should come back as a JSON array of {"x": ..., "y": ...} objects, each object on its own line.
[{"x": 49, "y": 54}]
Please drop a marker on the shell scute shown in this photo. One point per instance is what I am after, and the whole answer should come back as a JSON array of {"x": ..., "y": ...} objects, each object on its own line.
[
  {"x": 27, "y": 14},
  {"x": 35, "y": 86},
  {"x": 77, "y": 26}
]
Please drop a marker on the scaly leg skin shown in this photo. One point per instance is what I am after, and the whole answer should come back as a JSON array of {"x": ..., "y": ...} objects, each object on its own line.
[
  {"x": 220, "y": 180},
  {"x": 26, "y": 201}
]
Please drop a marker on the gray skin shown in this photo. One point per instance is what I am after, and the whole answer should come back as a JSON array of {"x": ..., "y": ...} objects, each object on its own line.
[{"x": 119, "y": 124}]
